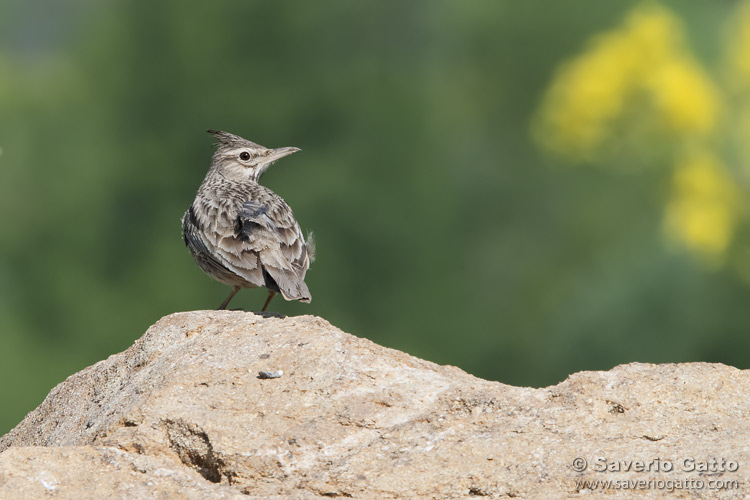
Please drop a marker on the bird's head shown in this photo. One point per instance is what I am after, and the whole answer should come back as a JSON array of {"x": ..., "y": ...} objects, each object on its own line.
[{"x": 239, "y": 159}]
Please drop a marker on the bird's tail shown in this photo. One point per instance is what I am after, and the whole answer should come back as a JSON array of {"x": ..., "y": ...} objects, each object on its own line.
[
  {"x": 291, "y": 286},
  {"x": 279, "y": 277}
]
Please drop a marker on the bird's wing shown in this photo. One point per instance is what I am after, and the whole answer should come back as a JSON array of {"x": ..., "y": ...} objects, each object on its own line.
[
  {"x": 267, "y": 226},
  {"x": 219, "y": 254}
]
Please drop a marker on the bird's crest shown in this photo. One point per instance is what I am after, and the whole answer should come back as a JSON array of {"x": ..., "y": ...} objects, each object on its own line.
[{"x": 231, "y": 140}]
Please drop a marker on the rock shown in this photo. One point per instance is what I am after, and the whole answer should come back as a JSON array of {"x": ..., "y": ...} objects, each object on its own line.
[
  {"x": 186, "y": 413},
  {"x": 78, "y": 472}
]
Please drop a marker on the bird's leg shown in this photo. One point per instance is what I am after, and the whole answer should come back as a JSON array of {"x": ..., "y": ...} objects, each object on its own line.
[
  {"x": 271, "y": 294},
  {"x": 226, "y": 302}
]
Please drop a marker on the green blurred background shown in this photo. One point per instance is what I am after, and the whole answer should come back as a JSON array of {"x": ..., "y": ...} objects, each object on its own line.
[{"x": 521, "y": 189}]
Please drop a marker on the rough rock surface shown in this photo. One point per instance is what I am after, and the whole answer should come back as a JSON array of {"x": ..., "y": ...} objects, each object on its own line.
[{"x": 184, "y": 414}]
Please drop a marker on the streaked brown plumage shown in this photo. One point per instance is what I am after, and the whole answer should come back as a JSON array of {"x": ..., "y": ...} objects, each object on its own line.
[{"x": 243, "y": 234}]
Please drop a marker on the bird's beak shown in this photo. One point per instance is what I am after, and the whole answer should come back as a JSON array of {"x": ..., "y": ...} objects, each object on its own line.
[
  {"x": 278, "y": 153},
  {"x": 273, "y": 155}
]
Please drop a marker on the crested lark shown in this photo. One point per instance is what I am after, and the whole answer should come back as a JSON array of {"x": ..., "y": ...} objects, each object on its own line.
[{"x": 241, "y": 233}]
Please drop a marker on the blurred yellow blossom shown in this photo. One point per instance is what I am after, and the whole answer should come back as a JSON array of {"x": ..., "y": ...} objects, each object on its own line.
[
  {"x": 704, "y": 206},
  {"x": 645, "y": 57},
  {"x": 683, "y": 96},
  {"x": 642, "y": 77}
]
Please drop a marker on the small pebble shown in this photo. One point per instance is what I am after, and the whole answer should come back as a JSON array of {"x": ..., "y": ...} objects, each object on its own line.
[{"x": 270, "y": 374}]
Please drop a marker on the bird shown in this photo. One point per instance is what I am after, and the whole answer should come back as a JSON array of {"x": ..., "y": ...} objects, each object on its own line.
[{"x": 241, "y": 233}]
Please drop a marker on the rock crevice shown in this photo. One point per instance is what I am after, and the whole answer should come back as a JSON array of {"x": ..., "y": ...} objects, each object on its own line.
[{"x": 192, "y": 445}]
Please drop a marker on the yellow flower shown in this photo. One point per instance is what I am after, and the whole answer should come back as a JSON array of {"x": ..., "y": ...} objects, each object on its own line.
[
  {"x": 683, "y": 96},
  {"x": 638, "y": 85},
  {"x": 704, "y": 207},
  {"x": 645, "y": 57}
]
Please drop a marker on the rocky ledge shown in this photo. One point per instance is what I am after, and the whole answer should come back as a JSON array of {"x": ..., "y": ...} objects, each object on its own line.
[{"x": 232, "y": 405}]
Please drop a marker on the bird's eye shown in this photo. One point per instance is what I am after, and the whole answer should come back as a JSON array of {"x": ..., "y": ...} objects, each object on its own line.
[{"x": 244, "y": 156}]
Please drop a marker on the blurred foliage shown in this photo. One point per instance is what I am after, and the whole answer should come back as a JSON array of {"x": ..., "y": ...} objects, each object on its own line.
[{"x": 445, "y": 227}]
